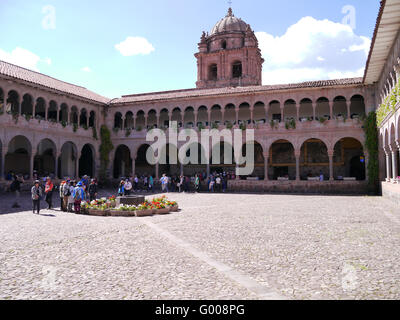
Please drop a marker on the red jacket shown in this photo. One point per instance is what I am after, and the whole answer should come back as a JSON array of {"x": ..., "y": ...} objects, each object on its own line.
[{"x": 48, "y": 187}]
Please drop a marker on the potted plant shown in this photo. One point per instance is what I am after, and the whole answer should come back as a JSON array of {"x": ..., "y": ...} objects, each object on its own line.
[{"x": 145, "y": 209}]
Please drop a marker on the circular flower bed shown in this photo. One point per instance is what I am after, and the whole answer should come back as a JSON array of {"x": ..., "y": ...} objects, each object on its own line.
[{"x": 107, "y": 207}]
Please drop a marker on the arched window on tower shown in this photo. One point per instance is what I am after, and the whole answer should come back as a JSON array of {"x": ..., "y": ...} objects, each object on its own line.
[
  {"x": 213, "y": 72},
  {"x": 237, "y": 69},
  {"x": 223, "y": 44}
]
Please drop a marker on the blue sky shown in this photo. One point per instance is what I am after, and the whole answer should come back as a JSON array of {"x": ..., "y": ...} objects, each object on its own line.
[{"x": 76, "y": 40}]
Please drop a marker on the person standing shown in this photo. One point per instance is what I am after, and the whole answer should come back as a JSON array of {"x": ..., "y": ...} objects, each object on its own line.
[
  {"x": 136, "y": 183},
  {"x": 48, "y": 190},
  {"x": 164, "y": 183},
  {"x": 121, "y": 188},
  {"x": 218, "y": 183},
  {"x": 79, "y": 195},
  {"x": 151, "y": 183},
  {"x": 92, "y": 190},
  {"x": 37, "y": 193},
  {"x": 61, "y": 193},
  {"x": 197, "y": 183},
  {"x": 127, "y": 187},
  {"x": 66, "y": 194},
  {"x": 70, "y": 196},
  {"x": 16, "y": 188}
]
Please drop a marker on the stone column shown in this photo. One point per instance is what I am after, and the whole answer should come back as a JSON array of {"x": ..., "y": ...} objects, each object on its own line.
[
  {"x": 388, "y": 169},
  {"x": 157, "y": 171},
  {"x": 237, "y": 115},
  {"x": 223, "y": 116},
  {"x": 31, "y": 166},
  {"x": 181, "y": 169},
  {"x": 266, "y": 165},
  {"x": 297, "y": 155},
  {"x": 314, "y": 107},
  {"x": 3, "y": 162},
  {"x": 133, "y": 166},
  {"x": 297, "y": 112},
  {"x": 330, "y": 155},
  {"x": 145, "y": 121},
  {"x": 283, "y": 114},
  {"x": 348, "y": 103},
  {"x": 78, "y": 156},
  {"x": 134, "y": 121},
  {"x": 331, "y": 109},
  {"x": 209, "y": 117},
  {"x": 56, "y": 165},
  {"x": 394, "y": 162},
  {"x": 251, "y": 116},
  {"x": 195, "y": 118}
]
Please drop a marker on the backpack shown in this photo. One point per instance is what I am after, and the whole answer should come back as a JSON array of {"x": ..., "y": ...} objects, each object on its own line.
[
  {"x": 77, "y": 195},
  {"x": 67, "y": 191}
]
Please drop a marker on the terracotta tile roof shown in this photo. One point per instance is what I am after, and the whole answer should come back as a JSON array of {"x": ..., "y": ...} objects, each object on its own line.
[
  {"x": 193, "y": 93},
  {"x": 20, "y": 73}
]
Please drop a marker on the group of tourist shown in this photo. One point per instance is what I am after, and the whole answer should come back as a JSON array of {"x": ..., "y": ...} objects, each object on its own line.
[
  {"x": 135, "y": 184},
  {"x": 215, "y": 182},
  {"x": 71, "y": 193}
]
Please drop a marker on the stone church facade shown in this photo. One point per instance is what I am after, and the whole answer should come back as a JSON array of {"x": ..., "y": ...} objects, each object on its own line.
[{"x": 301, "y": 130}]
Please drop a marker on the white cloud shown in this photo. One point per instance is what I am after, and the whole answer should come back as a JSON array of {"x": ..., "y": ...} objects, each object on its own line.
[
  {"x": 86, "y": 69},
  {"x": 23, "y": 58},
  {"x": 134, "y": 46},
  {"x": 313, "y": 50}
]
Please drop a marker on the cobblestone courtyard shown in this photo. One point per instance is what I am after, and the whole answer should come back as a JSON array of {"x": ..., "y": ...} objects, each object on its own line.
[{"x": 219, "y": 246}]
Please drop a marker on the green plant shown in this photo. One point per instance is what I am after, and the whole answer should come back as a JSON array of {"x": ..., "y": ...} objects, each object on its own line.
[
  {"x": 28, "y": 117},
  {"x": 371, "y": 144},
  {"x": 128, "y": 132},
  {"x": 214, "y": 125},
  {"x": 322, "y": 120},
  {"x": 63, "y": 123},
  {"x": 229, "y": 125},
  {"x": 290, "y": 124},
  {"x": 201, "y": 126},
  {"x": 139, "y": 128},
  {"x": 105, "y": 148},
  {"x": 242, "y": 126},
  {"x": 272, "y": 124},
  {"x": 389, "y": 104},
  {"x": 116, "y": 129},
  {"x": 75, "y": 127}
]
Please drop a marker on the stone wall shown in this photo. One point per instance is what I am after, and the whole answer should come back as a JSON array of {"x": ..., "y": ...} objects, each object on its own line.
[{"x": 391, "y": 191}]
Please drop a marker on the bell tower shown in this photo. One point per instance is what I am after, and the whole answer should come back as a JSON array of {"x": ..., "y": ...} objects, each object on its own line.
[{"x": 229, "y": 56}]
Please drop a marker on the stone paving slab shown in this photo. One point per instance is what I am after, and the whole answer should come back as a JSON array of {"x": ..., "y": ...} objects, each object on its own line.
[{"x": 219, "y": 246}]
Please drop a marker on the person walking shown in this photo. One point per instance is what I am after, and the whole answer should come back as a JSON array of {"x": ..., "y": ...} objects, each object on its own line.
[
  {"x": 92, "y": 190},
  {"x": 16, "y": 188},
  {"x": 121, "y": 188},
  {"x": 79, "y": 195},
  {"x": 48, "y": 190},
  {"x": 66, "y": 194},
  {"x": 61, "y": 194},
  {"x": 71, "y": 197},
  {"x": 164, "y": 183},
  {"x": 37, "y": 193},
  {"x": 197, "y": 183}
]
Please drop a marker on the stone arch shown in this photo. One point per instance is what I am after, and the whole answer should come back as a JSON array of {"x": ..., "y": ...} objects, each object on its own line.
[
  {"x": 45, "y": 159},
  {"x": 83, "y": 118},
  {"x": 152, "y": 119},
  {"x": 63, "y": 114},
  {"x": 340, "y": 107},
  {"x": 27, "y": 105},
  {"x": 188, "y": 117},
  {"x": 129, "y": 120},
  {"x": 259, "y": 115},
  {"x": 289, "y": 110},
  {"x": 177, "y": 116},
  {"x": 244, "y": 113},
  {"x": 142, "y": 166},
  {"x": 226, "y": 161},
  {"x": 140, "y": 120},
  {"x": 259, "y": 160},
  {"x": 199, "y": 164},
  {"x": 2, "y": 104},
  {"x": 52, "y": 111},
  {"x": 230, "y": 114},
  {"x": 274, "y": 111},
  {"x": 357, "y": 106},
  {"x": 40, "y": 109},
  {"x": 12, "y": 105},
  {"x": 170, "y": 168},
  {"x": 314, "y": 159},
  {"x": 18, "y": 157},
  {"x": 68, "y": 160},
  {"x": 92, "y": 119},
  {"x": 282, "y": 160},
  {"x": 216, "y": 115},
  {"x": 118, "y": 123},
  {"x": 322, "y": 109},
  {"x": 164, "y": 118},
  {"x": 122, "y": 162},
  {"x": 87, "y": 162},
  {"x": 349, "y": 159},
  {"x": 74, "y": 118},
  {"x": 306, "y": 112}
]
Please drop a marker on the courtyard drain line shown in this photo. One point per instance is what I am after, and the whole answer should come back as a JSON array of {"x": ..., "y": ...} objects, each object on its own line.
[{"x": 242, "y": 279}]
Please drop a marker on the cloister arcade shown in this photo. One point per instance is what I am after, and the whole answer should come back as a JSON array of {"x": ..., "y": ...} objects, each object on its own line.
[
  {"x": 230, "y": 114},
  {"x": 17, "y": 102}
]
